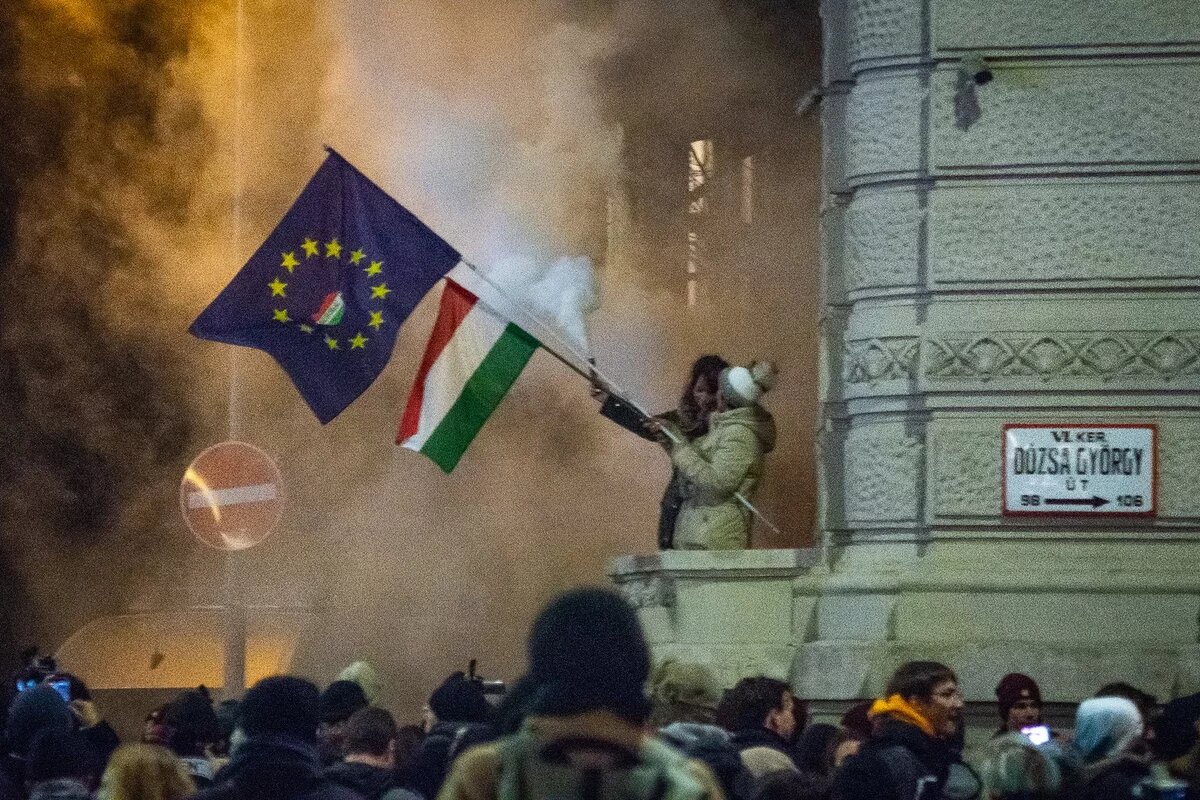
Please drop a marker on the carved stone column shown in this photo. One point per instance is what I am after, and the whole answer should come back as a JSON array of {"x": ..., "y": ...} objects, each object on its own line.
[{"x": 1024, "y": 249}]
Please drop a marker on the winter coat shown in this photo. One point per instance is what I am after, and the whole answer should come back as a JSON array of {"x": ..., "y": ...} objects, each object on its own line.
[
  {"x": 476, "y": 775},
  {"x": 371, "y": 782},
  {"x": 445, "y": 741},
  {"x": 724, "y": 462},
  {"x": 710, "y": 745},
  {"x": 900, "y": 762},
  {"x": 1111, "y": 779},
  {"x": 275, "y": 767},
  {"x": 60, "y": 789},
  {"x": 629, "y": 418}
]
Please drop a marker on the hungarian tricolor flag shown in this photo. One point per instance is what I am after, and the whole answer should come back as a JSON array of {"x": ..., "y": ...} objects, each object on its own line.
[{"x": 471, "y": 361}]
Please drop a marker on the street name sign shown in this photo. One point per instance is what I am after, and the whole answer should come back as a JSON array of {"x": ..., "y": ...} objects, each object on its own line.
[
  {"x": 231, "y": 496},
  {"x": 1080, "y": 469}
]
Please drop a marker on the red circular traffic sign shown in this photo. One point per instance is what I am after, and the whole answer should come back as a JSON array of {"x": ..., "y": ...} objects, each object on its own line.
[{"x": 231, "y": 496}]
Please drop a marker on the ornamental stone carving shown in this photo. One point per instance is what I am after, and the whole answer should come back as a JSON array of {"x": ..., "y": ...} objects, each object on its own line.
[
  {"x": 649, "y": 592},
  {"x": 884, "y": 29},
  {"x": 1104, "y": 355},
  {"x": 869, "y": 361},
  {"x": 984, "y": 24},
  {"x": 881, "y": 235},
  {"x": 1064, "y": 231},
  {"x": 884, "y": 462},
  {"x": 883, "y": 119},
  {"x": 1117, "y": 115},
  {"x": 966, "y": 472}
]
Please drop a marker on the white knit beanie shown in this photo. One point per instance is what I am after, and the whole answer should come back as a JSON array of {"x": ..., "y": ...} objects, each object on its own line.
[{"x": 744, "y": 386}]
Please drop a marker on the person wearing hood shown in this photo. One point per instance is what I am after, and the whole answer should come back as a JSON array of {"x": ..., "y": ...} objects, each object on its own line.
[
  {"x": 31, "y": 712},
  {"x": 908, "y": 756},
  {"x": 276, "y": 756},
  {"x": 1108, "y": 736},
  {"x": 588, "y": 661},
  {"x": 725, "y": 462}
]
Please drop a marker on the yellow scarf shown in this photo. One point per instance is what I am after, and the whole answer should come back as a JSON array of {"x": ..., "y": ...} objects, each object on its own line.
[{"x": 896, "y": 706}]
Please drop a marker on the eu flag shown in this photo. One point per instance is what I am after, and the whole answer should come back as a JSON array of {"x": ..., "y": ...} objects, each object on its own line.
[{"x": 328, "y": 290}]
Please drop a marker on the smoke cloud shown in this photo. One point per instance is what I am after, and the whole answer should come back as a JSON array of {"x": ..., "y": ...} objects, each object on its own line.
[{"x": 155, "y": 156}]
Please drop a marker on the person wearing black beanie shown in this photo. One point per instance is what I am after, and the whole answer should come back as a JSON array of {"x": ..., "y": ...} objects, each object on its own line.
[
  {"x": 588, "y": 666},
  {"x": 339, "y": 702},
  {"x": 461, "y": 715},
  {"x": 277, "y": 758},
  {"x": 191, "y": 727}
]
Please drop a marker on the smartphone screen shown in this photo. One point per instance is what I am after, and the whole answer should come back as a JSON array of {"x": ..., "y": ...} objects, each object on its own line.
[
  {"x": 63, "y": 688},
  {"x": 1036, "y": 734}
]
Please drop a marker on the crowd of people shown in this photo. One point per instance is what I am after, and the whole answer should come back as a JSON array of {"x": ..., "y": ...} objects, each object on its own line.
[{"x": 578, "y": 726}]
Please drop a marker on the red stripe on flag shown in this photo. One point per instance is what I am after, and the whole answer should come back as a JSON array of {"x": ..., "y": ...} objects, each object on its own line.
[{"x": 457, "y": 302}]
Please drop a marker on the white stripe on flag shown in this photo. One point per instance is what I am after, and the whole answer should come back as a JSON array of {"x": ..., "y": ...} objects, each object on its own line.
[
  {"x": 232, "y": 497},
  {"x": 473, "y": 339}
]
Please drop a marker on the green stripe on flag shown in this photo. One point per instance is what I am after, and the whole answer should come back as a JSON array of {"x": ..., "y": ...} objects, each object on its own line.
[{"x": 482, "y": 393}]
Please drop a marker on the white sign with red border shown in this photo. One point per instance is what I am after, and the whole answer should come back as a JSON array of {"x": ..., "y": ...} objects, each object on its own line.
[
  {"x": 231, "y": 496},
  {"x": 1058, "y": 469}
]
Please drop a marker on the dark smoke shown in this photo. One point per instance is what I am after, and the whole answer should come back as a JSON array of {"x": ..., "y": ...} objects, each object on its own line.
[{"x": 99, "y": 145}]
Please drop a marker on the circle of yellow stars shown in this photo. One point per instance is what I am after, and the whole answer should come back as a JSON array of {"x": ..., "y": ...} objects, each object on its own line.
[{"x": 311, "y": 248}]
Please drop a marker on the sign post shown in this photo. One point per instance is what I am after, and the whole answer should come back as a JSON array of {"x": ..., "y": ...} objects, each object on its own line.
[
  {"x": 1060, "y": 469},
  {"x": 231, "y": 497}
]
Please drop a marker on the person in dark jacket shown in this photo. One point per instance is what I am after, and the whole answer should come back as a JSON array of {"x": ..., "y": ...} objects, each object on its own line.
[
  {"x": 277, "y": 757},
  {"x": 907, "y": 756},
  {"x": 31, "y": 712},
  {"x": 340, "y": 700},
  {"x": 762, "y": 712},
  {"x": 62, "y": 766},
  {"x": 191, "y": 725},
  {"x": 461, "y": 717},
  {"x": 710, "y": 745},
  {"x": 698, "y": 401},
  {"x": 1175, "y": 744},
  {"x": 369, "y": 766}
]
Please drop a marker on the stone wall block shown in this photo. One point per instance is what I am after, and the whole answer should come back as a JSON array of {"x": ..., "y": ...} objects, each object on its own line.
[
  {"x": 986, "y": 24},
  {"x": 1064, "y": 233},
  {"x": 965, "y": 471},
  {"x": 882, "y": 232},
  {"x": 883, "y": 473},
  {"x": 1112, "y": 115},
  {"x": 883, "y": 125},
  {"x": 884, "y": 29}
]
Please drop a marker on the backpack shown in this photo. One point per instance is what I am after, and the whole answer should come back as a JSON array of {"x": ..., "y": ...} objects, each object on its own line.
[{"x": 592, "y": 769}]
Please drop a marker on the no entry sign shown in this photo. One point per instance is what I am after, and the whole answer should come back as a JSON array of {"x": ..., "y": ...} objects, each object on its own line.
[
  {"x": 231, "y": 496},
  {"x": 1066, "y": 469}
]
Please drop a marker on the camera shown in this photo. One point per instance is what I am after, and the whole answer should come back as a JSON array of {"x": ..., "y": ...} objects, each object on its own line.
[{"x": 485, "y": 686}]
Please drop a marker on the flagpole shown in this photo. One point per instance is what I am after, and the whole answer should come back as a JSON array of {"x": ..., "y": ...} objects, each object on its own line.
[{"x": 595, "y": 372}]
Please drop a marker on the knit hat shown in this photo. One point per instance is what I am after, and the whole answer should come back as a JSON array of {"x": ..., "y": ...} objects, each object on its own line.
[
  {"x": 56, "y": 753},
  {"x": 282, "y": 705},
  {"x": 459, "y": 699},
  {"x": 34, "y": 710},
  {"x": 587, "y": 651},
  {"x": 1175, "y": 731},
  {"x": 366, "y": 677},
  {"x": 1013, "y": 688},
  {"x": 744, "y": 386},
  {"x": 1105, "y": 727},
  {"x": 193, "y": 719},
  {"x": 341, "y": 700}
]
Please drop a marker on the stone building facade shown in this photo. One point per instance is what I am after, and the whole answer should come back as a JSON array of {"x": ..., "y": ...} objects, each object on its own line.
[{"x": 1011, "y": 235}]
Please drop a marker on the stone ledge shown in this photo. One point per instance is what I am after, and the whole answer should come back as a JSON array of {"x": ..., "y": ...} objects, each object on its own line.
[{"x": 715, "y": 564}]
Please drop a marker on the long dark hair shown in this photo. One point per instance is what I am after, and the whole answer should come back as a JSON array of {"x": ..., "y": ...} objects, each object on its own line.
[{"x": 709, "y": 369}]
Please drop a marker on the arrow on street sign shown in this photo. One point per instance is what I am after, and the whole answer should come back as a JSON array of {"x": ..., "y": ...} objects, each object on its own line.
[{"x": 1093, "y": 501}]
